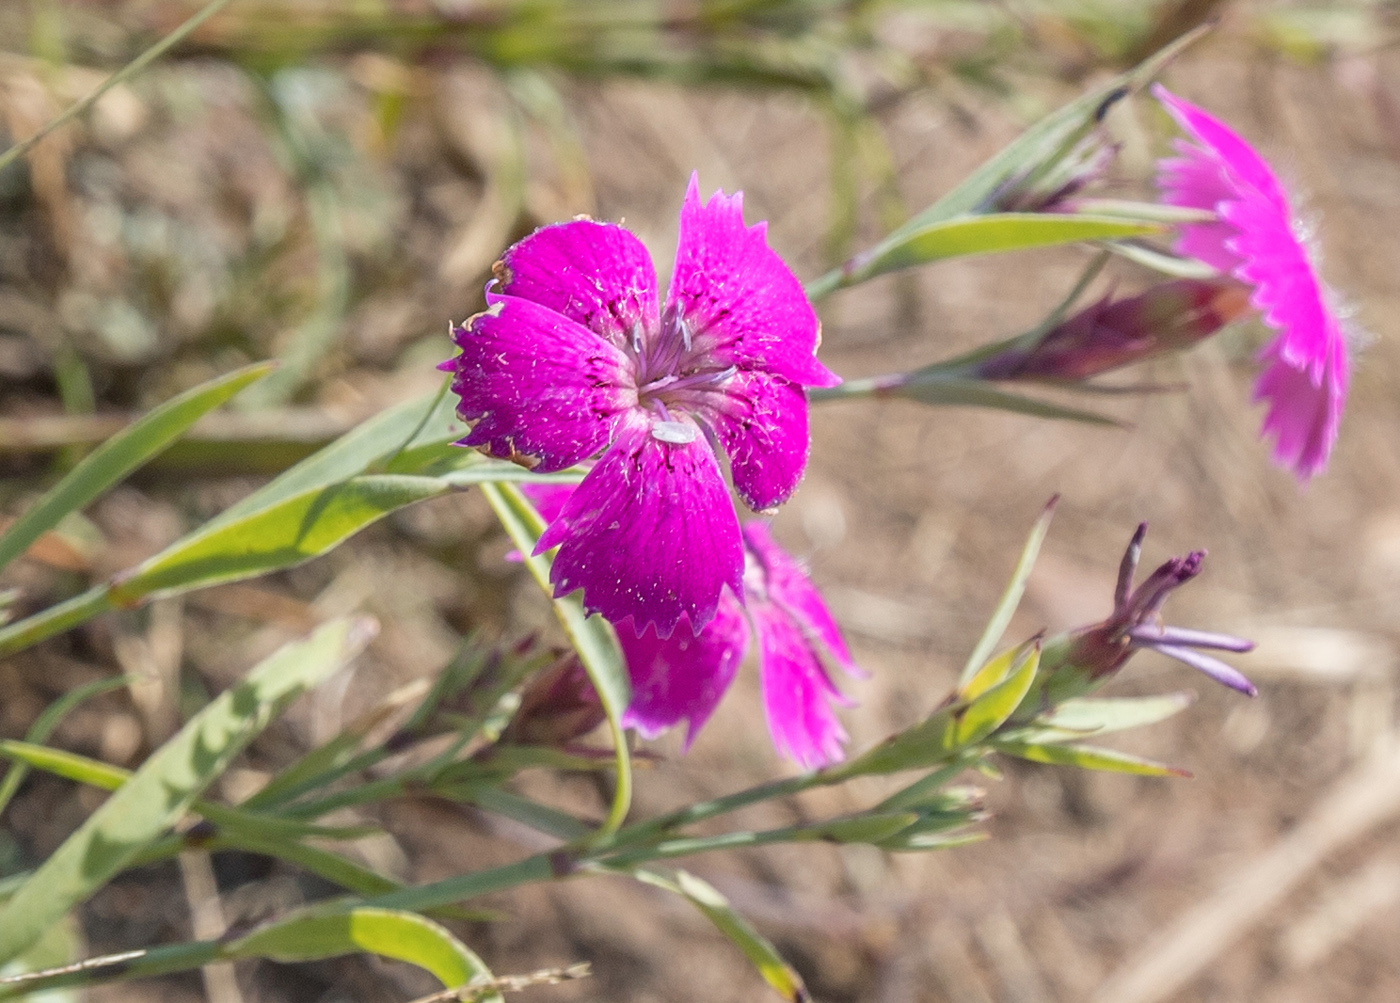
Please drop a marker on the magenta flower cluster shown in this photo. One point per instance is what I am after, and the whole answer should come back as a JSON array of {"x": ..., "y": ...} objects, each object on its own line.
[
  {"x": 1254, "y": 238},
  {"x": 576, "y": 356},
  {"x": 576, "y": 359}
]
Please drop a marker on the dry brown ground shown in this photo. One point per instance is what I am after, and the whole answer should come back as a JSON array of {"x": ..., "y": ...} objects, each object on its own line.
[{"x": 1274, "y": 875}]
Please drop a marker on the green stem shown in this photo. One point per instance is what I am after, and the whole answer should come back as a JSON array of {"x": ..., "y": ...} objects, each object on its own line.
[
  {"x": 55, "y": 620},
  {"x": 127, "y": 965},
  {"x": 645, "y": 831},
  {"x": 540, "y": 867},
  {"x": 121, "y": 76},
  {"x": 826, "y": 284}
]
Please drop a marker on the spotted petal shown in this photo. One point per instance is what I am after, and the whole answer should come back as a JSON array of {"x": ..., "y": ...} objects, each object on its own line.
[
  {"x": 650, "y": 533},
  {"x": 538, "y": 387},
  {"x": 739, "y": 300},
  {"x": 762, "y": 422},
  {"x": 684, "y": 676},
  {"x": 597, "y": 274}
]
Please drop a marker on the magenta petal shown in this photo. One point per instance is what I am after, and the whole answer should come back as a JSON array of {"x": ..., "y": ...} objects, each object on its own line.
[
  {"x": 597, "y": 274},
  {"x": 683, "y": 676},
  {"x": 797, "y": 693},
  {"x": 762, "y": 423},
  {"x": 1287, "y": 292},
  {"x": 1238, "y": 156},
  {"x": 1197, "y": 180},
  {"x": 548, "y": 499},
  {"x": 785, "y": 583},
  {"x": 739, "y": 300},
  {"x": 537, "y": 387},
  {"x": 1306, "y": 369},
  {"x": 651, "y": 533},
  {"x": 1304, "y": 414}
]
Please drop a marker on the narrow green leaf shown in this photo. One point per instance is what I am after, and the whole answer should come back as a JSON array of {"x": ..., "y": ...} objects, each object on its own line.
[
  {"x": 540, "y": 817},
  {"x": 46, "y": 722},
  {"x": 59, "y": 946},
  {"x": 993, "y": 672},
  {"x": 125, "y": 452},
  {"x": 989, "y": 711},
  {"x": 379, "y": 441},
  {"x": 1142, "y": 253},
  {"x": 868, "y": 828},
  {"x": 592, "y": 636},
  {"x": 1034, "y": 153},
  {"x": 1144, "y": 212},
  {"x": 168, "y": 783},
  {"x": 68, "y": 765},
  {"x": 330, "y": 932},
  {"x": 1010, "y": 598},
  {"x": 945, "y": 735},
  {"x": 954, "y": 391},
  {"x": 126, "y": 965},
  {"x": 1095, "y": 714},
  {"x": 1058, "y": 131},
  {"x": 285, "y": 534},
  {"x": 716, "y": 908},
  {"x": 1088, "y": 757},
  {"x": 925, "y": 841},
  {"x": 992, "y": 233}
]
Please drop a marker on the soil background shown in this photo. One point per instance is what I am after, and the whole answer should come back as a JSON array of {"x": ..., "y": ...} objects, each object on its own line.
[{"x": 1273, "y": 875}]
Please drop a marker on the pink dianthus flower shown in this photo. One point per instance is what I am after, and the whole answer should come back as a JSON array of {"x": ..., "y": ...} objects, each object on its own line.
[
  {"x": 1306, "y": 371},
  {"x": 575, "y": 356}
]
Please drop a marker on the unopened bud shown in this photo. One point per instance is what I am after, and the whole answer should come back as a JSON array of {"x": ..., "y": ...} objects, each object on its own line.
[
  {"x": 558, "y": 706},
  {"x": 1109, "y": 334}
]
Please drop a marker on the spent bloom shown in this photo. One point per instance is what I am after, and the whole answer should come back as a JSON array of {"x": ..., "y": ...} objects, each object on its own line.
[
  {"x": 1254, "y": 238},
  {"x": 684, "y": 676},
  {"x": 1111, "y": 333},
  {"x": 576, "y": 356},
  {"x": 1136, "y": 624}
]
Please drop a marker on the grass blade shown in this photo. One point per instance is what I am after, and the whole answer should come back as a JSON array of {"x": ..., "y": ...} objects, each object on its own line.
[
  {"x": 168, "y": 783},
  {"x": 125, "y": 73},
  {"x": 1011, "y": 598},
  {"x": 45, "y": 724},
  {"x": 591, "y": 636},
  {"x": 125, "y": 452},
  {"x": 282, "y": 535},
  {"x": 389, "y": 933},
  {"x": 727, "y": 920}
]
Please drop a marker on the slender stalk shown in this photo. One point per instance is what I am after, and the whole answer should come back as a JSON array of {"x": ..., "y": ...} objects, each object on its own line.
[
  {"x": 55, "y": 620},
  {"x": 540, "y": 867},
  {"x": 121, "y": 76}
]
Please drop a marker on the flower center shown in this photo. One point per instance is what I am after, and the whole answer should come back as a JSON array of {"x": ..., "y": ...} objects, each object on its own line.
[{"x": 674, "y": 375}]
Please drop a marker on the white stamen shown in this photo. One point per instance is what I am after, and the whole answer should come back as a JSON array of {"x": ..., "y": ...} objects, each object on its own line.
[{"x": 678, "y": 433}]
